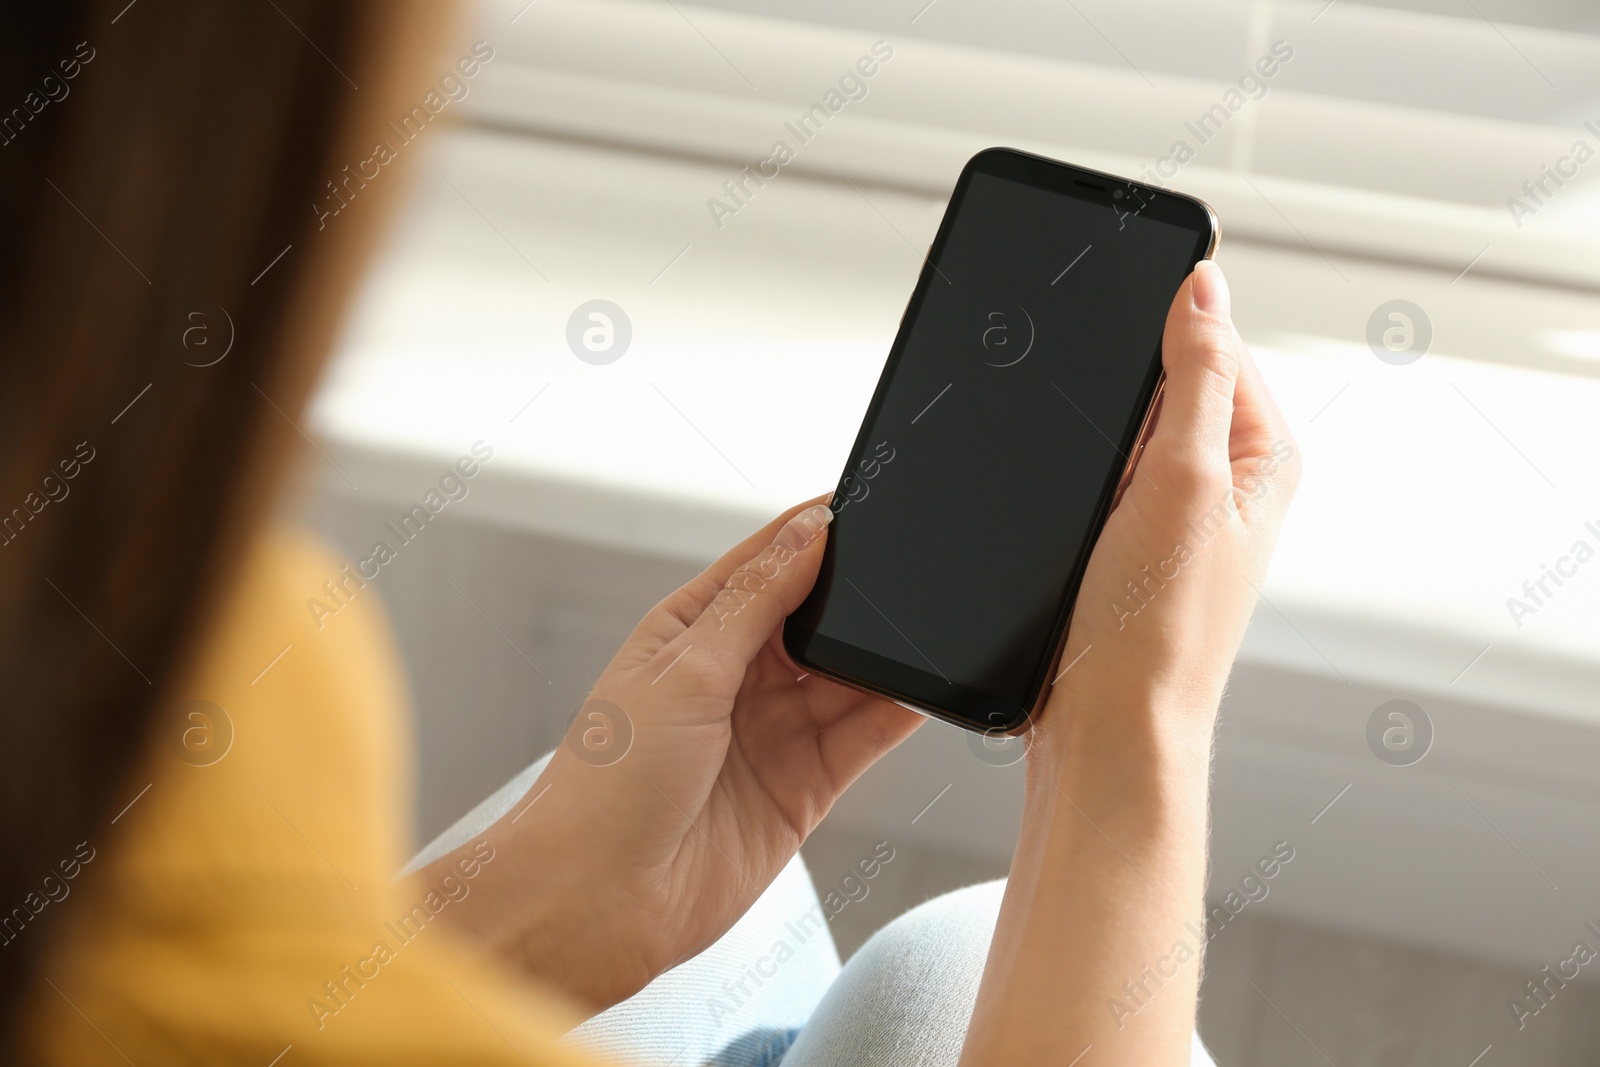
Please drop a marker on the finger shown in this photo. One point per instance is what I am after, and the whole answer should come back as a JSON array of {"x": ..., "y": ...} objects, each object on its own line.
[
  {"x": 863, "y": 735},
  {"x": 826, "y": 699},
  {"x": 686, "y": 603},
  {"x": 770, "y": 584},
  {"x": 1265, "y": 461},
  {"x": 1200, "y": 352},
  {"x": 1257, "y": 423}
]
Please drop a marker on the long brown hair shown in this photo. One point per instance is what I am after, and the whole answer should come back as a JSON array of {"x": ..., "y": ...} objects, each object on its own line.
[{"x": 169, "y": 293}]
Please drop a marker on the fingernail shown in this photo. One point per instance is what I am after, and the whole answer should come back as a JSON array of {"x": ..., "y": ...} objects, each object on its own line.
[
  {"x": 1210, "y": 290},
  {"x": 803, "y": 529}
]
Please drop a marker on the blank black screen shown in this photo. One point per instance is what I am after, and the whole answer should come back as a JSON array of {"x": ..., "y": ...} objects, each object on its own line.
[{"x": 997, "y": 434}]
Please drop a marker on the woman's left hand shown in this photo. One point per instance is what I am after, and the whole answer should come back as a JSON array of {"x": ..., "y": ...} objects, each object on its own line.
[{"x": 700, "y": 762}]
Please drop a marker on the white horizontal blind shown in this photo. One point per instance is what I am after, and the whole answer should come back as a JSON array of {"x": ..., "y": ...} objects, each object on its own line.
[{"x": 1351, "y": 129}]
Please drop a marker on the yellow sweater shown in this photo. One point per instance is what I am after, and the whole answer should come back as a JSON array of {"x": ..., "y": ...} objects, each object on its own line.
[{"x": 242, "y": 909}]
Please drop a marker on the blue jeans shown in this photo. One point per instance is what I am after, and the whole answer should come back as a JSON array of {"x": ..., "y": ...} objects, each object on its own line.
[{"x": 772, "y": 989}]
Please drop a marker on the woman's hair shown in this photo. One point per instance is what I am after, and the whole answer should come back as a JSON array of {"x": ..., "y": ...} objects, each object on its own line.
[{"x": 169, "y": 292}]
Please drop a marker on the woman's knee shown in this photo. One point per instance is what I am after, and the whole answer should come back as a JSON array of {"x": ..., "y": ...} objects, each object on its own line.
[
  {"x": 934, "y": 954},
  {"x": 958, "y": 924},
  {"x": 906, "y": 996}
]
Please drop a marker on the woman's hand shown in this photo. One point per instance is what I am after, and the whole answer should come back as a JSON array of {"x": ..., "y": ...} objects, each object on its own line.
[
  {"x": 1101, "y": 934},
  {"x": 1174, "y": 577},
  {"x": 701, "y": 761}
]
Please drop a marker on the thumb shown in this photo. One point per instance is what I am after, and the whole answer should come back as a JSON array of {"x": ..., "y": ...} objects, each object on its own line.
[
  {"x": 1200, "y": 352},
  {"x": 756, "y": 598}
]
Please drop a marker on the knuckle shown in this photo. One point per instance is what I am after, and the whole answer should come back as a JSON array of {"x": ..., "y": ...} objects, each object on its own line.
[
  {"x": 699, "y": 670},
  {"x": 699, "y": 590},
  {"x": 680, "y": 606},
  {"x": 754, "y": 575},
  {"x": 742, "y": 584},
  {"x": 1214, "y": 351},
  {"x": 770, "y": 559},
  {"x": 1193, "y": 475}
]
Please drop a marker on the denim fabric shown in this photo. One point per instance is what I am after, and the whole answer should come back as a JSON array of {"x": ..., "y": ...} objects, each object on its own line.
[
  {"x": 757, "y": 1048},
  {"x": 772, "y": 991},
  {"x": 905, "y": 998}
]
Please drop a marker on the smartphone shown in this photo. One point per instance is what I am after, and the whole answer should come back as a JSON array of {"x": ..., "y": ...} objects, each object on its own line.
[{"x": 1016, "y": 398}]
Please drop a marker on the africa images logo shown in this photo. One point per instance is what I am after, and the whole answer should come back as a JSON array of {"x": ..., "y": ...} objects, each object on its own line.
[{"x": 1008, "y": 336}]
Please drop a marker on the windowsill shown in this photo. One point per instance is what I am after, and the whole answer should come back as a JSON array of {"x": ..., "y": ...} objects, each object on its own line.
[{"x": 755, "y": 352}]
